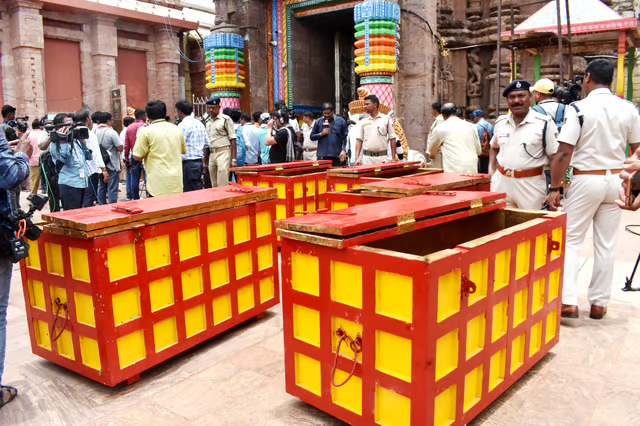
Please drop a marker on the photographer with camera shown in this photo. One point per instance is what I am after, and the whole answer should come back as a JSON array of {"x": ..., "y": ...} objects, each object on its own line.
[
  {"x": 8, "y": 116},
  {"x": 47, "y": 164},
  {"x": 280, "y": 137},
  {"x": 96, "y": 170},
  {"x": 110, "y": 143}
]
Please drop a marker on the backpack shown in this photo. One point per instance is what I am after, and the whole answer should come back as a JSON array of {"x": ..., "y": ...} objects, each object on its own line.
[
  {"x": 484, "y": 142},
  {"x": 559, "y": 118}
]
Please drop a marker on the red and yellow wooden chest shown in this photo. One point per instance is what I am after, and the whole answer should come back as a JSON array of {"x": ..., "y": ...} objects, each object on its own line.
[
  {"x": 436, "y": 304},
  {"x": 110, "y": 294},
  {"x": 345, "y": 178}
]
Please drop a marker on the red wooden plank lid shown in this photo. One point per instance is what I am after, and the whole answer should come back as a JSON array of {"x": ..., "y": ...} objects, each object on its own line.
[
  {"x": 386, "y": 213},
  {"x": 319, "y": 164},
  {"x": 169, "y": 206},
  {"x": 376, "y": 168},
  {"x": 417, "y": 184}
]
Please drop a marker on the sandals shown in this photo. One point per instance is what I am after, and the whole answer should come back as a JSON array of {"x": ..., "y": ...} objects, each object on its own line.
[{"x": 7, "y": 394}]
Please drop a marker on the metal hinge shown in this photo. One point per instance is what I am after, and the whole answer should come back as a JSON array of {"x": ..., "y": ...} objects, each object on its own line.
[
  {"x": 406, "y": 222},
  {"x": 467, "y": 286}
]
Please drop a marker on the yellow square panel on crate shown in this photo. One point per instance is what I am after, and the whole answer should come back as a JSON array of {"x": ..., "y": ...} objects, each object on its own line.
[
  {"x": 54, "y": 258},
  {"x": 341, "y": 186},
  {"x": 297, "y": 190},
  {"x": 165, "y": 334},
  {"x": 523, "y": 258},
  {"x": 161, "y": 293},
  {"x": 90, "y": 352},
  {"x": 446, "y": 354},
  {"x": 500, "y": 319},
  {"x": 126, "y": 306},
  {"x": 247, "y": 183},
  {"x": 502, "y": 269},
  {"x": 322, "y": 186},
  {"x": 472, "y": 388},
  {"x": 497, "y": 368},
  {"x": 394, "y": 296},
  {"x": 536, "y": 339},
  {"x": 245, "y": 298},
  {"x": 244, "y": 266},
  {"x": 448, "y": 294},
  {"x": 131, "y": 348},
  {"x": 217, "y": 236},
  {"x": 192, "y": 283},
  {"x": 281, "y": 188},
  {"x": 538, "y": 296},
  {"x": 306, "y": 325},
  {"x": 478, "y": 273},
  {"x": 219, "y": 272},
  {"x": 263, "y": 223},
  {"x": 263, "y": 184},
  {"x": 307, "y": 372},
  {"x": 65, "y": 343},
  {"x": 349, "y": 395},
  {"x": 84, "y": 309},
  {"x": 158, "y": 252},
  {"x": 321, "y": 204},
  {"x": 79, "y": 264},
  {"x": 57, "y": 293},
  {"x": 541, "y": 251},
  {"x": 391, "y": 408},
  {"x": 311, "y": 206},
  {"x": 36, "y": 294},
  {"x": 393, "y": 355},
  {"x": 346, "y": 283},
  {"x": 355, "y": 186},
  {"x": 556, "y": 235},
  {"x": 353, "y": 330},
  {"x": 305, "y": 273},
  {"x": 195, "y": 320},
  {"x": 311, "y": 187},
  {"x": 33, "y": 261},
  {"x": 475, "y": 335},
  {"x": 221, "y": 308},
  {"x": 520, "y": 306},
  {"x": 552, "y": 326},
  {"x": 41, "y": 331},
  {"x": 445, "y": 407},
  {"x": 517, "y": 352},
  {"x": 121, "y": 261},
  {"x": 337, "y": 205},
  {"x": 241, "y": 229},
  {"x": 189, "y": 243},
  {"x": 554, "y": 284},
  {"x": 267, "y": 289},
  {"x": 265, "y": 257},
  {"x": 298, "y": 207},
  {"x": 281, "y": 211}
]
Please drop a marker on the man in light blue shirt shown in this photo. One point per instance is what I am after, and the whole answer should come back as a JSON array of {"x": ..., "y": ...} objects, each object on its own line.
[
  {"x": 262, "y": 137},
  {"x": 196, "y": 140},
  {"x": 485, "y": 133},
  {"x": 252, "y": 141}
]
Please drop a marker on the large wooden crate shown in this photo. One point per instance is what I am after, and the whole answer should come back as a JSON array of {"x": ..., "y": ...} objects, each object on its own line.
[
  {"x": 345, "y": 178},
  {"x": 438, "y": 302},
  {"x": 110, "y": 294}
]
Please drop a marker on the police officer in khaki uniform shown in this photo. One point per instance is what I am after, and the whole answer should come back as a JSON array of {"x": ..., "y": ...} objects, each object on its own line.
[
  {"x": 522, "y": 143},
  {"x": 377, "y": 135},
  {"x": 593, "y": 141},
  {"x": 222, "y": 143}
]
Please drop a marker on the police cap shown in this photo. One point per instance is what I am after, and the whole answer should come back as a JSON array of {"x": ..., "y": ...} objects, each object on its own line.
[
  {"x": 516, "y": 85},
  {"x": 213, "y": 101}
]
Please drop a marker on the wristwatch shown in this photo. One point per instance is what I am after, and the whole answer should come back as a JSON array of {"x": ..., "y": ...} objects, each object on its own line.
[{"x": 556, "y": 189}]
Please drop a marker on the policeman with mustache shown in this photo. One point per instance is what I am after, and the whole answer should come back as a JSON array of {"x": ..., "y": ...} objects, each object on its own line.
[{"x": 522, "y": 144}]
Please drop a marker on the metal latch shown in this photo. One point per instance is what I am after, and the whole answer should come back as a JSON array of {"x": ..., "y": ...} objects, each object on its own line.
[
  {"x": 468, "y": 287},
  {"x": 406, "y": 222},
  {"x": 442, "y": 193},
  {"x": 553, "y": 245}
]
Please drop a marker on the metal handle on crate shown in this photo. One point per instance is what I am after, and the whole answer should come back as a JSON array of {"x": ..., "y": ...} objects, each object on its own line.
[
  {"x": 59, "y": 305},
  {"x": 553, "y": 245},
  {"x": 468, "y": 287},
  {"x": 355, "y": 345}
]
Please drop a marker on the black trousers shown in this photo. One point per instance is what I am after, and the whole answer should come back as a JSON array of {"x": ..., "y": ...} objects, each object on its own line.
[
  {"x": 483, "y": 164},
  {"x": 191, "y": 175},
  {"x": 335, "y": 161},
  {"x": 72, "y": 198}
]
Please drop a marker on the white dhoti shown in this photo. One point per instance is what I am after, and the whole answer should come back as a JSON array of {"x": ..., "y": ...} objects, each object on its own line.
[
  {"x": 309, "y": 155},
  {"x": 522, "y": 193},
  {"x": 591, "y": 198}
]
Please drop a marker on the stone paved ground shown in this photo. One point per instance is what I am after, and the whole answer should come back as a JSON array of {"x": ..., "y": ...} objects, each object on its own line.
[{"x": 237, "y": 378}]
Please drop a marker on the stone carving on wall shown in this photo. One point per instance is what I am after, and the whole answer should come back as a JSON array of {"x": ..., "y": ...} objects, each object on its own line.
[{"x": 474, "y": 84}]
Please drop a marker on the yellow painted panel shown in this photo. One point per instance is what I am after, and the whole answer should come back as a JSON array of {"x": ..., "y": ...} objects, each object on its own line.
[
  {"x": 90, "y": 353},
  {"x": 337, "y": 205},
  {"x": 556, "y": 235},
  {"x": 195, "y": 320},
  {"x": 267, "y": 290},
  {"x": 219, "y": 272},
  {"x": 446, "y": 354},
  {"x": 552, "y": 326},
  {"x": 33, "y": 261},
  {"x": 54, "y": 258},
  {"x": 131, "y": 348},
  {"x": 322, "y": 186},
  {"x": 391, "y": 408},
  {"x": 353, "y": 329},
  {"x": 221, "y": 308},
  {"x": 394, "y": 296},
  {"x": 541, "y": 251},
  {"x": 121, "y": 261},
  {"x": 478, "y": 273},
  {"x": 308, "y": 373},
  {"x": 520, "y": 306},
  {"x": 126, "y": 306},
  {"x": 41, "y": 330},
  {"x": 346, "y": 283},
  {"x": 192, "y": 283},
  {"x": 85, "y": 312},
  {"x": 281, "y": 211},
  {"x": 448, "y": 294},
  {"x": 523, "y": 258},
  {"x": 282, "y": 190},
  {"x": 393, "y": 355},
  {"x": 502, "y": 269},
  {"x": 475, "y": 335},
  {"x": 321, "y": 204},
  {"x": 265, "y": 257},
  {"x": 161, "y": 293},
  {"x": 65, "y": 343},
  {"x": 189, "y": 243},
  {"x": 245, "y": 298},
  {"x": 263, "y": 184},
  {"x": 445, "y": 407},
  {"x": 263, "y": 223},
  {"x": 536, "y": 339},
  {"x": 472, "y": 388},
  {"x": 349, "y": 395},
  {"x": 517, "y": 352},
  {"x": 311, "y": 187},
  {"x": 217, "y": 235},
  {"x": 298, "y": 207},
  {"x": 241, "y": 229},
  {"x": 355, "y": 186},
  {"x": 305, "y": 273},
  {"x": 79, "y": 264},
  {"x": 306, "y": 325},
  {"x": 247, "y": 182},
  {"x": 500, "y": 319},
  {"x": 497, "y": 368},
  {"x": 297, "y": 190},
  {"x": 57, "y": 293},
  {"x": 244, "y": 266},
  {"x": 538, "y": 296},
  {"x": 341, "y": 186},
  {"x": 554, "y": 284},
  {"x": 36, "y": 294},
  {"x": 165, "y": 333},
  {"x": 311, "y": 206},
  {"x": 158, "y": 252}
]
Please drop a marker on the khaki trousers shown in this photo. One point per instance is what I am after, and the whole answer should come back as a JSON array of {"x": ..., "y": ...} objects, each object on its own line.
[
  {"x": 367, "y": 161},
  {"x": 219, "y": 163},
  {"x": 522, "y": 193},
  {"x": 34, "y": 174}
]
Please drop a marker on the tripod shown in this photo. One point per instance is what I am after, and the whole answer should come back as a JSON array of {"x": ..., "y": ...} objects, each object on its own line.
[{"x": 629, "y": 281}]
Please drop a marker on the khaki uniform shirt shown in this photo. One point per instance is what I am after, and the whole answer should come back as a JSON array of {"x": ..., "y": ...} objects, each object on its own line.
[
  {"x": 220, "y": 131},
  {"x": 375, "y": 133},
  {"x": 521, "y": 146}
]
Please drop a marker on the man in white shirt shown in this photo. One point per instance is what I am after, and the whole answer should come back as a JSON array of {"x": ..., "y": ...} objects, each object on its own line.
[
  {"x": 458, "y": 140},
  {"x": 309, "y": 147},
  {"x": 436, "y": 108},
  {"x": 96, "y": 168},
  {"x": 593, "y": 141}
]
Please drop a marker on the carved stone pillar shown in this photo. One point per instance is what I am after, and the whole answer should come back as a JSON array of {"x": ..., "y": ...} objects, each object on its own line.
[
  {"x": 167, "y": 62},
  {"x": 104, "y": 52}
]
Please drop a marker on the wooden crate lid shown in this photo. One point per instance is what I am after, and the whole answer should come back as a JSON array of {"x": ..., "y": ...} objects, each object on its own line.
[
  {"x": 126, "y": 215},
  {"x": 374, "y": 169},
  {"x": 399, "y": 212},
  {"x": 417, "y": 184},
  {"x": 283, "y": 168}
]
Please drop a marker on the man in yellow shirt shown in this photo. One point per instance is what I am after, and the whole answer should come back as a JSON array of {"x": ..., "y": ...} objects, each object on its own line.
[{"x": 161, "y": 145}]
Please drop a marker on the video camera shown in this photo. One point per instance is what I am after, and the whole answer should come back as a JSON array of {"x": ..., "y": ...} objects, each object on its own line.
[
  {"x": 60, "y": 132},
  {"x": 569, "y": 91},
  {"x": 19, "y": 123},
  {"x": 19, "y": 225}
]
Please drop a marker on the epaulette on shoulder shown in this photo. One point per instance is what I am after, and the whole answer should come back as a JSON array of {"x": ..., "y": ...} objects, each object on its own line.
[{"x": 501, "y": 118}]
